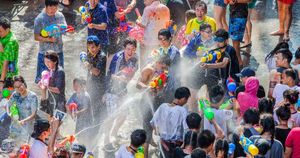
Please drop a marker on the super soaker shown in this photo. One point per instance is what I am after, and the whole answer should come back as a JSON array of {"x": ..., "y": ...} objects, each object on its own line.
[
  {"x": 85, "y": 15},
  {"x": 90, "y": 155},
  {"x": 24, "y": 151},
  {"x": 123, "y": 26},
  {"x": 56, "y": 30},
  {"x": 68, "y": 141},
  {"x": 6, "y": 92},
  {"x": 140, "y": 152},
  {"x": 14, "y": 111},
  {"x": 204, "y": 106},
  {"x": 44, "y": 83},
  {"x": 73, "y": 108},
  {"x": 159, "y": 81},
  {"x": 231, "y": 85},
  {"x": 83, "y": 57},
  {"x": 248, "y": 146},
  {"x": 211, "y": 57}
]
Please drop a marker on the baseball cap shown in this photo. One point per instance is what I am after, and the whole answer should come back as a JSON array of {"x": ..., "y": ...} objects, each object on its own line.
[
  {"x": 246, "y": 72},
  {"x": 78, "y": 148},
  {"x": 94, "y": 39},
  {"x": 40, "y": 126}
]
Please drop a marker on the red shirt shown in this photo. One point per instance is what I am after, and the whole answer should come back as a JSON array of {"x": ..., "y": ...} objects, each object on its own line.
[{"x": 293, "y": 141}]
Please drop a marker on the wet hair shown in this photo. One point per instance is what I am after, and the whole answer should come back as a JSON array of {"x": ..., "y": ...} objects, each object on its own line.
[
  {"x": 222, "y": 33},
  {"x": 19, "y": 78},
  {"x": 204, "y": 27},
  {"x": 198, "y": 153},
  {"x": 268, "y": 125},
  {"x": 290, "y": 73},
  {"x": 52, "y": 56},
  {"x": 182, "y": 92},
  {"x": 51, "y": 3},
  {"x": 166, "y": 33},
  {"x": 274, "y": 51},
  {"x": 297, "y": 53},
  {"x": 286, "y": 54},
  {"x": 190, "y": 14},
  {"x": 81, "y": 82},
  {"x": 251, "y": 116},
  {"x": 216, "y": 94},
  {"x": 201, "y": 4},
  {"x": 193, "y": 121},
  {"x": 284, "y": 112},
  {"x": 265, "y": 105},
  {"x": 190, "y": 138},
  {"x": 206, "y": 138},
  {"x": 291, "y": 95},
  {"x": 221, "y": 145},
  {"x": 165, "y": 60},
  {"x": 5, "y": 23},
  {"x": 61, "y": 152},
  {"x": 130, "y": 41},
  {"x": 138, "y": 138}
]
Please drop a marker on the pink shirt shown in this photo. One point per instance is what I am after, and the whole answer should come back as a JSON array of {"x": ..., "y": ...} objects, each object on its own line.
[{"x": 154, "y": 18}]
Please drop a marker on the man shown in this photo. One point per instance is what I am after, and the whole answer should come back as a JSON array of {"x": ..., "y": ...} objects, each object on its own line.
[
  {"x": 292, "y": 144},
  {"x": 169, "y": 122},
  {"x": 9, "y": 52},
  {"x": 243, "y": 75},
  {"x": 193, "y": 25},
  {"x": 47, "y": 17},
  {"x": 77, "y": 150},
  {"x": 154, "y": 18}
]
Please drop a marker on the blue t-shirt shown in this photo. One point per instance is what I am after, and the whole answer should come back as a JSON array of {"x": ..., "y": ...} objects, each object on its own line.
[
  {"x": 118, "y": 63},
  {"x": 196, "y": 42},
  {"x": 99, "y": 16},
  {"x": 111, "y": 9}
]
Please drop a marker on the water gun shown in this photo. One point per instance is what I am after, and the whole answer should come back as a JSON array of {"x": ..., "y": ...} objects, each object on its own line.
[
  {"x": 11, "y": 66},
  {"x": 68, "y": 141},
  {"x": 171, "y": 26},
  {"x": 231, "y": 85},
  {"x": 14, "y": 111},
  {"x": 24, "y": 151},
  {"x": 211, "y": 57},
  {"x": 204, "y": 105},
  {"x": 55, "y": 30},
  {"x": 45, "y": 79},
  {"x": 140, "y": 152},
  {"x": 83, "y": 57},
  {"x": 225, "y": 105},
  {"x": 90, "y": 155},
  {"x": 73, "y": 108},
  {"x": 231, "y": 149},
  {"x": 159, "y": 81},
  {"x": 248, "y": 146},
  {"x": 6, "y": 92},
  {"x": 85, "y": 15}
]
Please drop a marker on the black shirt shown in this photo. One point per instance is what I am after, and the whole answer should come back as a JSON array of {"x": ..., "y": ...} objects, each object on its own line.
[
  {"x": 178, "y": 153},
  {"x": 179, "y": 7},
  {"x": 281, "y": 135},
  {"x": 239, "y": 10},
  {"x": 260, "y": 92}
]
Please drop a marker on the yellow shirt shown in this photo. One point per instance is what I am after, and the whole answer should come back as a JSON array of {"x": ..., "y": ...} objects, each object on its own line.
[{"x": 194, "y": 24}]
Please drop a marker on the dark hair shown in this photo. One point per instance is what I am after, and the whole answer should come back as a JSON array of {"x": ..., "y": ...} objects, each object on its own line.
[
  {"x": 274, "y": 51},
  {"x": 222, "y": 33},
  {"x": 138, "y": 138},
  {"x": 51, "y": 3},
  {"x": 263, "y": 146},
  {"x": 130, "y": 41},
  {"x": 291, "y": 95},
  {"x": 19, "y": 78},
  {"x": 5, "y": 23},
  {"x": 286, "y": 54},
  {"x": 190, "y": 14},
  {"x": 52, "y": 56},
  {"x": 165, "y": 60},
  {"x": 182, "y": 92},
  {"x": 290, "y": 73},
  {"x": 221, "y": 145},
  {"x": 193, "y": 121},
  {"x": 166, "y": 33},
  {"x": 61, "y": 152},
  {"x": 216, "y": 94},
  {"x": 284, "y": 112},
  {"x": 80, "y": 81},
  {"x": 204, "y": 27},
  {"x": 201, "y": 4},
  {"x": 190, "y": 138},
  {"x": 251, "y": 116},
  {"x": 268, "y": 125},
  {"x": 265, "y": 105},
  {"x": 206, "y": 138},
  {"x": 239, "y": 150},
  {"x": 198, "y": 153},
  {"x": 297, "y": 53}
]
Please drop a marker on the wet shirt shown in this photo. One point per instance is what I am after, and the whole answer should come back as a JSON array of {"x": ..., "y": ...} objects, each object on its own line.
[
  {"x": 98, "y": 61},
  {"x": 41, "y": 22},
  {"x": 99, "y": 16},
  {"x": 239, "y": 10},
  {"x": 10, "y": 53},
  {"x": 123, "y": 153},
  {"x": 111, "y": 9},
  {"x": 58, "y": 80},
  {"x": 118, "y": 63},
  {"x": 38, "y": 149},
  {"x": 221, "y": 117},
  {"x": 194, "y": 25}
]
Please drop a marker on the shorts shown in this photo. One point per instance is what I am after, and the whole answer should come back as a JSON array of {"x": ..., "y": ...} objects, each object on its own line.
[
  {"x": 220, "y": 3},
  {"x": 237, "y": 28},
  {"x": 252, "y": 4},
  {"x": 287, "y": 1}
]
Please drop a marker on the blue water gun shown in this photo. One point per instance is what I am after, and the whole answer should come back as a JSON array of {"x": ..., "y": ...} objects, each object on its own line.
[
  {"x": 231, "y": 85},
  {"x": 83, "y": 57},
  {"x": 231, "y": 149},
  {"x": 248, "y": 146},
  {"x": 55, "y": 30},
  {"x": 211, "y": 56}
]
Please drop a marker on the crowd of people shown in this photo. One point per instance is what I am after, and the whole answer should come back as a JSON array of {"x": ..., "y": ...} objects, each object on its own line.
[{"x": 200, "y": 95}]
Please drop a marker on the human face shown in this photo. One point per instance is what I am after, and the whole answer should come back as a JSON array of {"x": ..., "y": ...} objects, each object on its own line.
[
  {"x": 163, "y": 41},
  {"x": 50, "y": 64},
  {"x": 76, "y": 87},
  {"x": 129, "y": 51},
  {"x": 19, "y": 87},
  {"x": 221, "y": 44},
  {"x": 147, "y": 2},
  {"x": 207, "y": 33},
  {"x": 200, "y": 12},
  {"x": 3, "y": 32},
  {"x": 76, "y": 155},
  {"x": 279, "y": 60},
  {"x": 243, "y": 79},
  {"x": 93, "y": 3},
  {"x": 93, "y": 49},
  {"x": 183, "y": 101},
  {"x": 161, "y": 66},
  {"x": 51, "y": 10}
]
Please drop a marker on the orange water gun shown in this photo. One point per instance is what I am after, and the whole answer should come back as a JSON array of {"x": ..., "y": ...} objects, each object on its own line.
[
  {"x": 68, "y": 141},
  {"x": 24, "y": 151},
  {"x": 159, "y": 81}
]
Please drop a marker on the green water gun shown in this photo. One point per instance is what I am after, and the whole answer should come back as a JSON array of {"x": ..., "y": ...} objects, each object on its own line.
[
  {"x": 14, "y": 111},
  {"x": 204, "y": 106},
  {"x": 140, "y": 152},
  {"x": 226, "y": 104}
]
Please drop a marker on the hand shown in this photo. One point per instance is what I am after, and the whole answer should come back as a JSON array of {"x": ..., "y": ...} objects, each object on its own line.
[
  {"x": 1, "y": 48},
  {"x": 55, "y": 123},
  {"x": 87, "y": 65},
  {"x": 1, "y": 86},
  {"x": 91, "y": 26},
  {"x": 203, "y": 65},
  {"x": 51, "y": 39},
  {"x": 22, "y": 122}
]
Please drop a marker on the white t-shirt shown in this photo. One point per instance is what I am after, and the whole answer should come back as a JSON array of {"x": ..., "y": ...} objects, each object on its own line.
[
  {"x": 279, "y": 89},
  {"x": 124, "y": 153},
  {"x": 221, "y": 117},
  {"x": 38, "y": 149}
]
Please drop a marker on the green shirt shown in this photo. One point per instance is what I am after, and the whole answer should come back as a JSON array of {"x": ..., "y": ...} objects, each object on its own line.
[{"x": 11, "y": 52}]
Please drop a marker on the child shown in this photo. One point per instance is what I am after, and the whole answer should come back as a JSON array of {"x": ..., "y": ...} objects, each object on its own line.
[
  {"x": 282, "y": 130},
  {"x": 193, "y": 121},
  {"x": 206, "y": 141},
  {"x": 265, "y": 105},
  {"x": 291, "y": 97},
  {"x": 181, "y": 39},
  {"x": 251, "y": 120},
  {"x": 198, "y": 153},
  {"x": 221, "y": 148},
  {"x": 190, "y": 143}
]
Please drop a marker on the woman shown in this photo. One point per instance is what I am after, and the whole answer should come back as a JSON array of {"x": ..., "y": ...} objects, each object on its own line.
[
  {"x": 26, "y": 102},
  {"x": 220, "y": 14}
]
